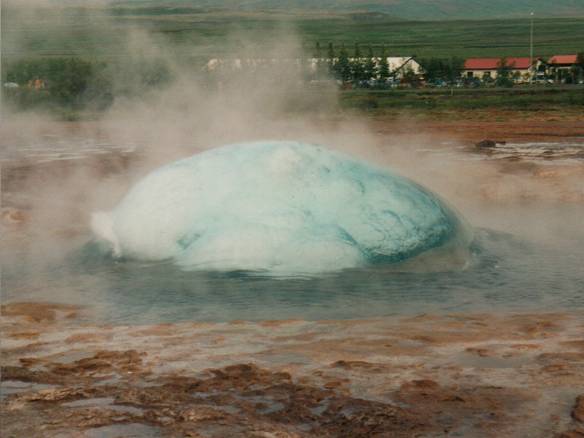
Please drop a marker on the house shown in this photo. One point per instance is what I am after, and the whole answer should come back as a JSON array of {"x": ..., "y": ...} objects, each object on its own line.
[
  {"x": 562, "y": 66},
  {"x": 521, "y": 69},
  {"x": 36, "y": 84},
  {"x": 398, "y": 66},
  {"x": 563, "y": 61}
]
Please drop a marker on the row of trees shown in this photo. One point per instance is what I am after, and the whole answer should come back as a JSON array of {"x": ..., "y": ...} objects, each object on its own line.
[
  {"x": 64, "y": 81},
  {"x": 77, "y": 83},
  {"x": 361, "y": 65},
  {"x": 438, "y": 69},
  {"x": 507, "y": 77},
  {"x": 576, "y": 73},
  {"x": 358, "y": 52},
  {"x": 357, "y": 69}
]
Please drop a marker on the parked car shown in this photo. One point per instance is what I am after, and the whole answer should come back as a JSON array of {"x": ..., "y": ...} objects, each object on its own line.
[{"x": 437, "y": 83}]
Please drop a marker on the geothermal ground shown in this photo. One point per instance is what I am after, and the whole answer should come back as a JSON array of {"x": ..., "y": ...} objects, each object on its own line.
[
  {"x": 450, "y": 375},
  {"x": 479, "y": 374}
]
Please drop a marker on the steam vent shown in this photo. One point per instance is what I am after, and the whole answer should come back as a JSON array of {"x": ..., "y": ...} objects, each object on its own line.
[{"x": 280, "y": 207}]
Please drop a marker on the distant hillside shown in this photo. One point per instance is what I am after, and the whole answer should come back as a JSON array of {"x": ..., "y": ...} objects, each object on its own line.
[{"x": 407, "y": 9}]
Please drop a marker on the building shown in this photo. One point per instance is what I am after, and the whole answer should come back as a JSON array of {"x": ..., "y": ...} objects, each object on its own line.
[
  {"x": 563, "y": 61},
  {"x": 561, "y": 67},
  {"x": 398, "y": 65},
  {"x": 521, "y": 69},
  {"x": 251, "y": 64}
]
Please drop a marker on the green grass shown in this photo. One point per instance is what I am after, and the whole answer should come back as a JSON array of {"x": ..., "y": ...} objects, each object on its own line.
[
  {"x": 410, "y": 9},
  {"x": 194, "y": 35},
  {"x": 200, "y": 34},
  {"x": 521, "y": 98},
  {"x": 454, "y": 38}
]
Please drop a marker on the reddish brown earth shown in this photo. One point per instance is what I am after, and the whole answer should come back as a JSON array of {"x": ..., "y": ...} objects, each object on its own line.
[
  {"x": 454, "y": 375},
  {"x": 473, "y": 126},
  {"x": 485, "y": 375}
]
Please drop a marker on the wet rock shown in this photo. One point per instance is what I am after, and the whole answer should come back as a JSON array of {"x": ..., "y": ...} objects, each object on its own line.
[
  {"x": 422, "y": 384},
  {"x": 39, "y": 312},
  {"x": 356, "y": 365},
  {"x": 276, "y": 434},
  {"x": 24, "y": 335},
  {"x": 578, "y": 410},
  {"x": 24, "y": 374},
  {"x": 88, "y": 337},
  {"x": 131, "y": 430},
  {"x": 486, "y": 144},
  {"x": 198, "y": 414},
  {"x": 103, "y": 362},
  {"x": 579, "y": 433},
  {"x": 579, "y": 345},
  {"x": 356, "y": 379},
  {"x": 94, "y": 417},
  {"x": 362, "y": 418},
  {"x": 525, "y": 347},
  {"x": 561, "y": 358},
  {"x": 59, "y": 394},
  {"x": 13, "y": 216},
  {"x": 449, "y": 407},
  {"x": 336, "y": 383},
  {"x": 482, "y": 352}
]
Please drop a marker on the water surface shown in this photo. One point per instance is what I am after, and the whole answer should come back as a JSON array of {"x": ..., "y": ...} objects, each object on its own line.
[{"x": 507, "y": 271}]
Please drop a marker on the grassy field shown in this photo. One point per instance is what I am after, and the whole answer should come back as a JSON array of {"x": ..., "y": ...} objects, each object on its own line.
[
  {"x": 195, "y": 35},
  {"x": 455, "y": 38},
  {"x": 444, "y": 100},
  {"x": 405, "y": 9},
  {"x": 199, "y": 34}
]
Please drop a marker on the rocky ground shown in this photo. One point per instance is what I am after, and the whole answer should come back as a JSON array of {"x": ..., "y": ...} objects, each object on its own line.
[
  {"x": 473, "y": 126},
  {"x": 425, "y": 376},
  {"x": 483, "y": 375}
]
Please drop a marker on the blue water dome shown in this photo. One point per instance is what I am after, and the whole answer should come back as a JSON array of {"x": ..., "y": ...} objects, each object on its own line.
[{"x": 278, "y": 207}]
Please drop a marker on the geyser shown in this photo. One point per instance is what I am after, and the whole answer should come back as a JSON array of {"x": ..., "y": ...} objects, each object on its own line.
[{"x": 281, "y": 207}]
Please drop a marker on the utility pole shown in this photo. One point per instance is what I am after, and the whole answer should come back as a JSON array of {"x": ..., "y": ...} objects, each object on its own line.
[{"x": 531, "y": 50}]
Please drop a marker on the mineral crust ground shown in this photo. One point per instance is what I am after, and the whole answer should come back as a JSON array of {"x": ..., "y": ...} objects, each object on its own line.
[{"x": 487, "y": 375}]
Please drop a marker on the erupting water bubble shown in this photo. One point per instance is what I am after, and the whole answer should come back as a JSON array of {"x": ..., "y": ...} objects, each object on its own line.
[{"x": 281, "y": 207}]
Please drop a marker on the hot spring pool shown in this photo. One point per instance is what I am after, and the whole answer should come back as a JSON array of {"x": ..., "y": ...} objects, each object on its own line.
[{"x": 506, "y": 272}]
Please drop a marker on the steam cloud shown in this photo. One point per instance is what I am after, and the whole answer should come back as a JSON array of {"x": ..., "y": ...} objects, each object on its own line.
[
  {"x": 187, "y": 116},
  {"x": 282, "y": 207}
]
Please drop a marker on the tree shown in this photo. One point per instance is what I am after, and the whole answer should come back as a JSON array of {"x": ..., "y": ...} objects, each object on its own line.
[
  {"x": 579, "y": 66},
  {"x": 343, "y": 67},
  {"x": 456, "y": 68},
  {"x": 357, "y": 70},
  {"x": 383, "y": 67},
  {"x": 357, "y": 51},
  {"x": 504, "y": 74},
  {"x": 410, "y": 77},
  {"x": 317, "y": 51},
  {"x": 433, "y": 69},
  {"x": 580, "y": 60},
  {"x": 331, "y": 58},
  {"x": 62, "y": 82},
  {"x": 369, "y": 67},
  {"x": 437, "y": 69},
  {"x": 331, "y": 51}
]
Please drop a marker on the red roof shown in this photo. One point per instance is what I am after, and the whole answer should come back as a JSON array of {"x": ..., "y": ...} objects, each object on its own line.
[
  {"x": 494, "y": 63},
  {"x": 564, "y": 59}
]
